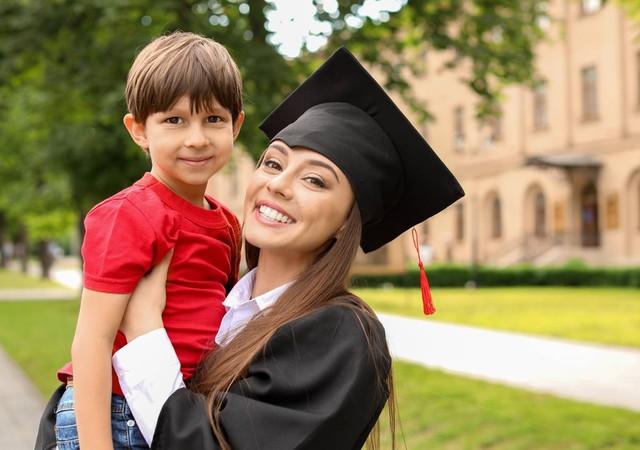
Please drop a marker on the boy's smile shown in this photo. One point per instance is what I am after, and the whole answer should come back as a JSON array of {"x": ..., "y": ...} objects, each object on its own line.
[{"x": 186, "y": 147}]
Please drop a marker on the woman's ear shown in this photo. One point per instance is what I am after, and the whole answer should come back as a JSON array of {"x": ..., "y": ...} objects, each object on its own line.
[
  {"x": 137, "y": 130},
  {"x": 237, "y": 124},
  {"x": 338, "y": 234},
  {"x": 344, "y": 225}
]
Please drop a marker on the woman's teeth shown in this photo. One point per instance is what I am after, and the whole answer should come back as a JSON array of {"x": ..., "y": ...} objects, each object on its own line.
[{"x": 273, "y": 215}]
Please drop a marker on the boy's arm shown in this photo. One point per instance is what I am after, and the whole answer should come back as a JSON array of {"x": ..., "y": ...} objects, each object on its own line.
[{"x": 98, "y": 322}]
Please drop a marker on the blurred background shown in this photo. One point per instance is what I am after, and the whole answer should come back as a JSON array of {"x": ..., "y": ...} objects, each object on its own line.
[{"x": 535, "y": 107}]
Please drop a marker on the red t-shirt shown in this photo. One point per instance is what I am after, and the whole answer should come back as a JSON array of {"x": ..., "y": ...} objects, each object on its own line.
[{"x": 130, "y": 232}]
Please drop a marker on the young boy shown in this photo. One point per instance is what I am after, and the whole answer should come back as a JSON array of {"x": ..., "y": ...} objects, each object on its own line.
[{"x": 184, "y": 96}]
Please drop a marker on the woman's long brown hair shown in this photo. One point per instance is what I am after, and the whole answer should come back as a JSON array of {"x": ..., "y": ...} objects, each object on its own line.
[{"x": 323, "y": 283}]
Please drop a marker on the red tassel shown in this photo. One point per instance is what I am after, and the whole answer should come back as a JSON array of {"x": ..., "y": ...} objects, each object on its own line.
[{"x": 427, "y": 301}]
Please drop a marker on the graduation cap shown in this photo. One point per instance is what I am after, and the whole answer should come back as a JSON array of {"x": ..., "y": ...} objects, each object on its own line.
[{"x": 341, "y": 112}]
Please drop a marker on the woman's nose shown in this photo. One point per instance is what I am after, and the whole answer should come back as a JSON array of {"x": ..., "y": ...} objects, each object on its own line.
[
  {"x": 280, "y": 185},
  {"x": 196, "y": 137}
]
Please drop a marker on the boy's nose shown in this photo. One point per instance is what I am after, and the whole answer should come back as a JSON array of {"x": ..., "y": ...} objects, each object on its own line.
[{"x": 196, "y": 138}]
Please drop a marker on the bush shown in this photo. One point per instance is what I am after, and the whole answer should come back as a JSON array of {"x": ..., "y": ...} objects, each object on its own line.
[{"x": 458, "y": 276}]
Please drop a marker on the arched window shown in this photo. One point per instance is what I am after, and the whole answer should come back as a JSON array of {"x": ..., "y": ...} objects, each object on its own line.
[
  {"x": 590, "y": 226},
  {"x": 496, "y": 218},
  {"x": 540, "y": 216}
]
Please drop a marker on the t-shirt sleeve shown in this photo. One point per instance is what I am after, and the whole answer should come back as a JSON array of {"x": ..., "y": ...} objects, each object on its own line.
[{"x": 120, "y": 245}]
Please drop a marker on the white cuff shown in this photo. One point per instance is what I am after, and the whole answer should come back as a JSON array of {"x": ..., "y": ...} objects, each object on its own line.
[
  {"x": 144, "y": 356},
  {"x": 149, "y": 372}
]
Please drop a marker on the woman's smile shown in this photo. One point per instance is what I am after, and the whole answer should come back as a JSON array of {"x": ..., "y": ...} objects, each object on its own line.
[{"x": 271, "y": 214}]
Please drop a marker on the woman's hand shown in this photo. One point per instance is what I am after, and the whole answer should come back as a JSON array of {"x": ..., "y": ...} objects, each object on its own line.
[{"x": 144, "y": 310}]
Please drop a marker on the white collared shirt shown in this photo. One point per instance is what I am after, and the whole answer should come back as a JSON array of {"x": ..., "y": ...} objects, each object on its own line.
[
  {"x": 241, "y": 307},
  {"x": 148, "y": 368}
]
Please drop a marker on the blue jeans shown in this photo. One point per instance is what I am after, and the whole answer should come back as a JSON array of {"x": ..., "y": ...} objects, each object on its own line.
[{"x": 126, "y": 435}]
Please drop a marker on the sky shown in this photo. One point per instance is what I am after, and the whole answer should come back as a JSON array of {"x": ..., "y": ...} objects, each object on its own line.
[{"x": 294, "y": 27}]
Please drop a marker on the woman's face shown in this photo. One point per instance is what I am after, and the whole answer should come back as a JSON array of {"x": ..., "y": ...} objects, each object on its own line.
[{"x": 296, "y": 201}]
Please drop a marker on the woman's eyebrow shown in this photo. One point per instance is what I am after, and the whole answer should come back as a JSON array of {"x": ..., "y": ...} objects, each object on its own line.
[{"x": 315, "y": 162}]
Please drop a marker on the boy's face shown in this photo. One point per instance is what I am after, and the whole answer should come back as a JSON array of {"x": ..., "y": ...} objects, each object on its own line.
[{"x": 186, "y": 148}]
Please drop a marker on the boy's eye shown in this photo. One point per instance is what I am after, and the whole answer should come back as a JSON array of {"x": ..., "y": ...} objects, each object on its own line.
[
  {"x": 316, "y": 181},
  {"x": 174, "y": 120},
  {"x": 214, "y": 119},
  {"x": 272, "y": 164}
]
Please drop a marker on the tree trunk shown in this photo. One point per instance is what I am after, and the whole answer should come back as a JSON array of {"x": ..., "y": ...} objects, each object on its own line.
[
  {"x": 46, "y": 258},
  {"x": 21, "y": 249},
  {"x": 3, "y": 227}
]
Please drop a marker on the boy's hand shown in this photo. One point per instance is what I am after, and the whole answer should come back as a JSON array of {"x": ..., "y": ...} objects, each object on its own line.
[{"x": 147, "y": 302}]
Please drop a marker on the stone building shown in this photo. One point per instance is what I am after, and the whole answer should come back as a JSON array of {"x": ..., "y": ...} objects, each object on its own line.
[{"x": 556, "y": 177}]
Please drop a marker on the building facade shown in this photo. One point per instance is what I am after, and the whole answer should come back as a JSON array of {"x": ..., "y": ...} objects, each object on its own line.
[{"x": 556, "y": 177}]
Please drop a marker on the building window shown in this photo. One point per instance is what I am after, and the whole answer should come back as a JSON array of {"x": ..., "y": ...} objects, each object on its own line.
[
  {"x": 589, "y": 216},
  {"x": 589, "y": 93},
  {"x": 458, "y": 123},
  {"x": 540, "y": 216},
  {"x": 558, "y": 218},
  {"x": 612, "y": 213},
  {"x": 491, "y": 129},
  {"x": 540, "y": 121},
  {"x": 590, "y": 6},
  {"x": 460, "y": 221},
  {"x": 496, "y": 218}
]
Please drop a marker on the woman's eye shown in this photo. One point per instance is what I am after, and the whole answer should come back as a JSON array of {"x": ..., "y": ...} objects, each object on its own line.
[
  {"x": 174, "y": 120},
  {"x": 272, "y": 164},
  {"x": 319, "y": 182},
  {"x": 214, "y": 119}
]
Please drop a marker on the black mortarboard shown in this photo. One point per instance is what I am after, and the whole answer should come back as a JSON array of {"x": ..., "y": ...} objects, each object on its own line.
[{"x": 341, "y": 112}]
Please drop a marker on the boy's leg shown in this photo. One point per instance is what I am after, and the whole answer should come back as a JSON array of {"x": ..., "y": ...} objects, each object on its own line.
[
  {"x": 126, "y": 434},
  {"x": 66, "y": 429}
]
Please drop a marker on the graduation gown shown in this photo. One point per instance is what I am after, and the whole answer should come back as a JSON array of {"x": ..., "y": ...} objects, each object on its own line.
[
  {"x": 319, "y": 384},
  {"x": 316, "y": 386}
]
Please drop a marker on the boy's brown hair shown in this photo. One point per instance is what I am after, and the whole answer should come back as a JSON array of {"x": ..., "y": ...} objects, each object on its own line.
[{"x": 183, "y": 64}]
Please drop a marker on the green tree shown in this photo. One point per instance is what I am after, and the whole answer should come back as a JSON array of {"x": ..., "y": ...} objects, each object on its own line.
[
  {"x": 72, "y": 56},
  {"x": 496, "y": 38},
  {"x": 34, "y": 200}
]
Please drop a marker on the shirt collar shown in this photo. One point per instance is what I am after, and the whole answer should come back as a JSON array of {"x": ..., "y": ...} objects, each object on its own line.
[{"x": 241, "y": 293}]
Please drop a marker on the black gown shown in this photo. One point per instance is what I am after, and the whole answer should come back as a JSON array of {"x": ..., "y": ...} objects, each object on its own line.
[{"x": 320, "y": 384}]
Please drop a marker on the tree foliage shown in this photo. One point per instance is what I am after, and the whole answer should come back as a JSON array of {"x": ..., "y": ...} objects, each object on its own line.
[
  {"x": 64, "y": 64},
  {"x": 496, "y": 38}
]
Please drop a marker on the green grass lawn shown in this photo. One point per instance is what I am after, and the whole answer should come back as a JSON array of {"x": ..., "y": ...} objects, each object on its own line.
[
  {"x": 604, "y": 315},
  {"x": 446, "y": 412},
  {"x": 17, "y": 280},
  {"x": 438, "y": 411},
  {"x": 37, "y": 334}
]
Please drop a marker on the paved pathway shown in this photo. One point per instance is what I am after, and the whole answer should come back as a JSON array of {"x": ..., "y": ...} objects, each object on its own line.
[
  {"x": 20, "y": 407},
  {"x": 20, "y": 403},
  {"x": 65, "y": 271},
  {"x": 591, "y": 373},
  {"x": 38, "y": 294}
]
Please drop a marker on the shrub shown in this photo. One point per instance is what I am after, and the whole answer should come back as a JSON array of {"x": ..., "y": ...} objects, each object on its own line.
[{"x": 457, "y": 276}]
